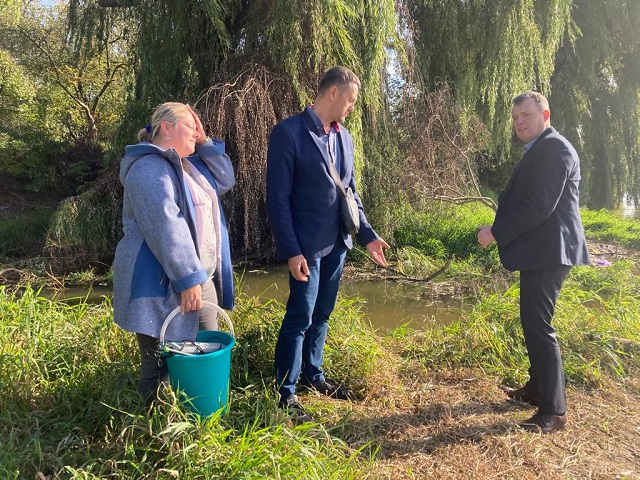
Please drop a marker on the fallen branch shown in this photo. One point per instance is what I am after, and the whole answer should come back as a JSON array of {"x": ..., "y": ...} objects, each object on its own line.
[
  {"x": 468, "y": 199},
  {"x": 404, "y": 276},
  {"x": 15, "y": 276}
]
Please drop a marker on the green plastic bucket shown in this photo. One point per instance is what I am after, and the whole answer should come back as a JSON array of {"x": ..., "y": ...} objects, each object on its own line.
[{"x": 201, "y": 380}]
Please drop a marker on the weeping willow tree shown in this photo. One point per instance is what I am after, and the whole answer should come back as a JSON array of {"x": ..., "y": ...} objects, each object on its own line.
[
  {"x": 595, "y": 98},
  {"x": 584, "y": 54},
  {"x": 248, "y": 64},
  {"x": 489, "y": 51}
]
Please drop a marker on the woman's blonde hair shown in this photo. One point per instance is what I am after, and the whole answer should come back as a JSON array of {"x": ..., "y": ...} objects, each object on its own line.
[{"x": 168, "y": 112}]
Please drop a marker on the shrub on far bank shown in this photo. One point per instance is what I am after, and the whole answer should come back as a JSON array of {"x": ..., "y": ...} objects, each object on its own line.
[
  {"x": 605, "y": 226},
  {"x": 446, "y": 231},
  {"x": 24, "y": 235}
]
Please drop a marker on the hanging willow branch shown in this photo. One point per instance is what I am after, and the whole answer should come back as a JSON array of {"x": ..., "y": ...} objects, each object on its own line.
[
  {"x": 489, "y": 66},
  {"x": 264, "y": 60},
  {"x": 243, "y": 111}
]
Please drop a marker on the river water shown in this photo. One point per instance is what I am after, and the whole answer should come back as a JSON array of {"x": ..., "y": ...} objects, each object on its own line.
[
  {"x": 627, "y": 210},
  {"x": 386, "y": 304}
]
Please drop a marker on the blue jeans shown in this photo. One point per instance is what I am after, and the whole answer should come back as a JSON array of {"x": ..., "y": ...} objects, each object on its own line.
[{"x": 300, "y": 346}]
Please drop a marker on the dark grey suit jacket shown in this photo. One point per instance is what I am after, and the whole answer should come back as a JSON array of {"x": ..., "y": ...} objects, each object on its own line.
[{"x": 538, "y": 220}]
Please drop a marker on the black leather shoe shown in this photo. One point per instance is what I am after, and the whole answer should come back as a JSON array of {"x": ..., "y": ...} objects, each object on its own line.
[
  {"x": 294, "y": 410},
  {"x": 540, "y": 423},
  {"x": 521, "y": 395},
  {"x": 330, "y": 388}
]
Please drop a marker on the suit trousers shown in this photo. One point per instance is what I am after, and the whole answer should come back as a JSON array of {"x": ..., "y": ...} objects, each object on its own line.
[
  {"x": 153, "y": 368},
  {"x": 539, "y": 290},
  {"x": 300, "y": 345}
]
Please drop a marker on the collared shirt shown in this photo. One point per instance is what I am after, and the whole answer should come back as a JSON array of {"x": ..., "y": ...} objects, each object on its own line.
[
  {"x": 330, "y": 139},
  {"x": 530, "y": 143}
]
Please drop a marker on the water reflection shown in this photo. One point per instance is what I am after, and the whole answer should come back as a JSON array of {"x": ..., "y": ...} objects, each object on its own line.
[
  {"x": 626, "y": 210},
  {"x": 386, "y": 304}
]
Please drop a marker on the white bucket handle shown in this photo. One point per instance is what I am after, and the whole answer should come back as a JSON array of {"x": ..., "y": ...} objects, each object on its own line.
[{"x": 176, "y": 311}]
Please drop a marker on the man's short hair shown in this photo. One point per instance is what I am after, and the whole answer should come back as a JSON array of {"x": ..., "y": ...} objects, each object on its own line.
[
  {"x": 338, "y": 76},
  {"x": 540, "y": 100}
]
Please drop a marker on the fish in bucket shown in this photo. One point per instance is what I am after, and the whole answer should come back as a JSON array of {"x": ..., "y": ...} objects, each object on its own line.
[{"x": 199, "y": 371}]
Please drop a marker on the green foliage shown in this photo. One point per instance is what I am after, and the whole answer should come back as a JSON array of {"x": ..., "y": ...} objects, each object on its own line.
[
  {"x": 16, "y": 91},
  {"x": 246, "y": 66},
  {"x": 489, "y": 66},
  {"x": 446, "y": 231},
  {"x": 597, "y": 318},
  {"x": 67, "y": 376},
  {"x": 82, "y": 231},
  {"x": 352, "y": 353},
  {"x": 25, "y": 235},
  {"x": 10, "y": 10},
  {"x": 595, "y": 98},
  {"x": 69, "y": 407},
  {"x": 77, "y": 93},
  {"x": 604, "y": 226},
  {"x": 59, "y": 106},
  {"x": 39, "y": 164},
  {"x": 215, "y": 41},
  {"x": 249, "y": 64},
  {"x": 582, "y": 53}
]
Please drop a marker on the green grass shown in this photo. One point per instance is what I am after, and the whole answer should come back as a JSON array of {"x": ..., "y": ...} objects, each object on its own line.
[
  {"x": 597, "y": 318},
  {"x": 604, "y": 226},
  {"x": 452, "y": 231},
  {"x": 446, "y": 231},
  {"x": 69, "y": 407}
]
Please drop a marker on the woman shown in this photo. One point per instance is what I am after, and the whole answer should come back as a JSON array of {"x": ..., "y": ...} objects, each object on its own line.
[{"x": 175, "y": 249}]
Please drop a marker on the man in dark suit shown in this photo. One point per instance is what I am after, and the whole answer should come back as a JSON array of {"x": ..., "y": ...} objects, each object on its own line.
[
  {"x": 539, "y": 232},
  {"x": 304, "y": 213}
]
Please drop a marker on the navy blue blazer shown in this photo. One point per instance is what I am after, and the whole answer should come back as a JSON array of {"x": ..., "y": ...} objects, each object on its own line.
[
  {"x": 302, "y": 198},
  {"x": 538, "y": 220}
]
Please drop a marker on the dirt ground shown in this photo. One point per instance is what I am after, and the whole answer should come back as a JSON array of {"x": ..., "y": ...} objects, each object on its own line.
[{"x": 462, "y": 426}]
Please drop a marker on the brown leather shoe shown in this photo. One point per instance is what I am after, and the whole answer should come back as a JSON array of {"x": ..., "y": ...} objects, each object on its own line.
[
  {"x": 521, "y": 395},
  {"x": 540, "y": 423}
]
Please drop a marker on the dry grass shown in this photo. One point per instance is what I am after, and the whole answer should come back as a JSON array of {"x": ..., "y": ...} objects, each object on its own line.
[{"x": 460, "y": 425}]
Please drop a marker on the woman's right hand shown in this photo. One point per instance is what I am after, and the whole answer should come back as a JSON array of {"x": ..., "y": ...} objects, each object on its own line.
[
  {"x": 199, "y": 128},
  {"x": 191, "y": 299}
]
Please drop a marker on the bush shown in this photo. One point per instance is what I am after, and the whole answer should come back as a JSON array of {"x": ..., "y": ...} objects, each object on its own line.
[
  {"x": 43, "y": 165},
  {"x": 25, "y": 235},
  {"x": 446, "y": 231},
  {"x": 604, "y": 226}
]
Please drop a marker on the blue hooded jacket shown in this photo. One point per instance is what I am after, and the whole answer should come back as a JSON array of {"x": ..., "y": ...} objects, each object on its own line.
[{"x": 158, "y": 258}]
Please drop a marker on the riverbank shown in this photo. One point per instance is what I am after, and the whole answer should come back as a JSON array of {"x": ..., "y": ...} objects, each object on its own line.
[{"x": 429, "y": 401}]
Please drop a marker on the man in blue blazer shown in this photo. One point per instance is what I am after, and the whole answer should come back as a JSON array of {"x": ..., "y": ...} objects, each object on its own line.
[
  {"x": 304, "y": 213},
  {"x": 539, "y": 232}
]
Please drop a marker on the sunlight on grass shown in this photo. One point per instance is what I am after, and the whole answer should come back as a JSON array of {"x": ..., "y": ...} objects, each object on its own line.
[{"x": 69, "y": 407}]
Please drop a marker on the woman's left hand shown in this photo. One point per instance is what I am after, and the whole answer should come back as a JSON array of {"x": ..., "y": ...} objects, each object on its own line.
[{"x": 199, "y": 128}]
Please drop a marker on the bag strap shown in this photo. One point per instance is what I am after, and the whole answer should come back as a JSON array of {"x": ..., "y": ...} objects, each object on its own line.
[{"x": 335, "y": 176}]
